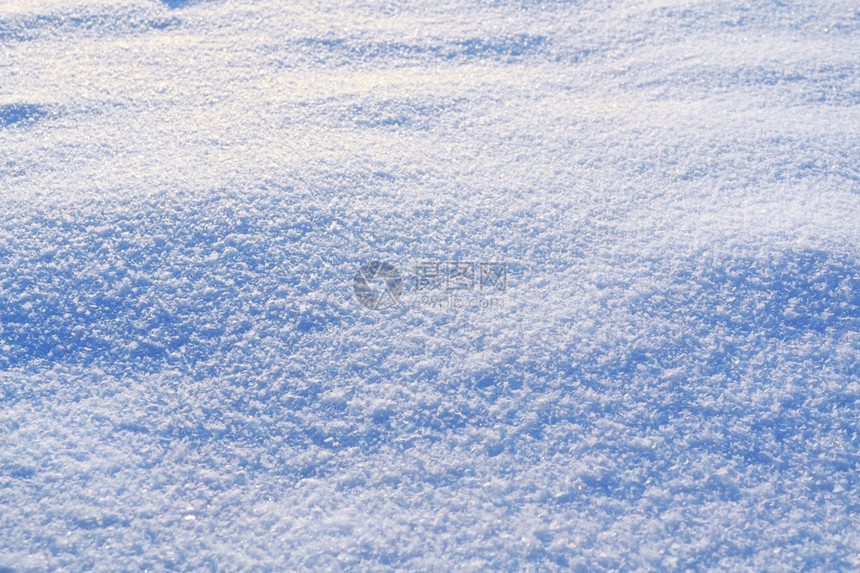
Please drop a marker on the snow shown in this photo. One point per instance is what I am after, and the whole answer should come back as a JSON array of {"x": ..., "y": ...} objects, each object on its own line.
[{"x": 670, "y": 380}]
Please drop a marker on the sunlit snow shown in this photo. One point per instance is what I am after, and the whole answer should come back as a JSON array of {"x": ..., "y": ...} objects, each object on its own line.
[{"x": 195, "y": 376}]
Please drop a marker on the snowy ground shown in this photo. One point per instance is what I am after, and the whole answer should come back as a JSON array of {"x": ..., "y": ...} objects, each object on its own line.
[{"x": 188, "y": 382}]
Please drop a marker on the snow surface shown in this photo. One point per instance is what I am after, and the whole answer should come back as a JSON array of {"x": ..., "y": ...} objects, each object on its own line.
[{"x": 187, "y": 381}]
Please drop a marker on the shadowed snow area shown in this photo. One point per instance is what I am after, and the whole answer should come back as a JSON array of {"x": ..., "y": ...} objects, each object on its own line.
[
  {"x": 19, "y": 113},
  {"x": 670, "y": 379}
]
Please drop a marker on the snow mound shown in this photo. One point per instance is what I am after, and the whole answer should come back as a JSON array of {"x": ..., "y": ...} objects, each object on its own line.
[{"x": 669, "y": 379}]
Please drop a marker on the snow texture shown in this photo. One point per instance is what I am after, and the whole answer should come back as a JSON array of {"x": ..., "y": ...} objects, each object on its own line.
[{"x": 187, "y": 381}]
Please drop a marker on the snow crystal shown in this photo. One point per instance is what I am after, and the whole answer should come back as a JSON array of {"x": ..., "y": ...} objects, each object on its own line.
[{"x": 669, "y": 379}]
